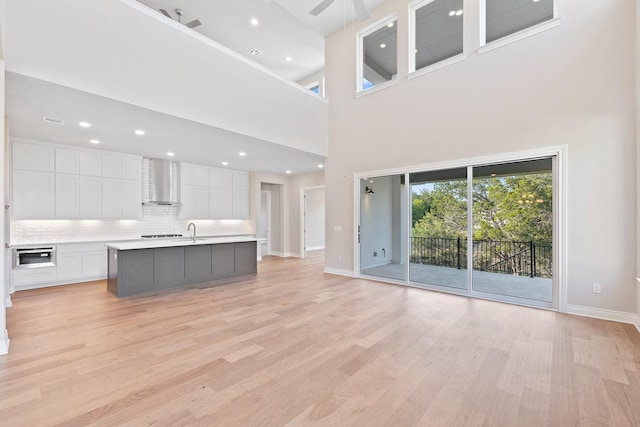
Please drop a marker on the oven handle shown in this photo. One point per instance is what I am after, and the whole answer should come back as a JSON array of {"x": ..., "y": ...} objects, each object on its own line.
[{"x": 35, "y": 251}]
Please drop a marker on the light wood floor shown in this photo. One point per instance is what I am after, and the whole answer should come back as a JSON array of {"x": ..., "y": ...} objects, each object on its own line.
[{"x": 294, "y": 346}]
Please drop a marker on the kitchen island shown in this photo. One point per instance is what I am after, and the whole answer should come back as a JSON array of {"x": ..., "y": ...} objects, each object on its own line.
[{"x": 149, "y": 266}]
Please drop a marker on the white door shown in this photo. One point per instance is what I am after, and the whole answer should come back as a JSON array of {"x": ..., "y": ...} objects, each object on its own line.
[
  {"x": 313, "y": 219},
  {"x": 264, "y": 222}
]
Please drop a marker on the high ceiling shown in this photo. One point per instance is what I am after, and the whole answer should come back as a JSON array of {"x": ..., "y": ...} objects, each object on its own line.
[
  {"x": 284, "y": 28},
  {"x": 131, "y": 65}
]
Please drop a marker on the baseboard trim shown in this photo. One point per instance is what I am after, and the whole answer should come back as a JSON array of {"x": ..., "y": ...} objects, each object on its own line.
[
  {"x": 7, "y": 301},
  {"x": 604, "y": 314},
  {"x": 285, "y": 254},
  {"x": 314, "y": 248},
  {"x": 638, "y": 323},
  {"x": 339, "y": 272},
  {"x": 4, "y": 343}
]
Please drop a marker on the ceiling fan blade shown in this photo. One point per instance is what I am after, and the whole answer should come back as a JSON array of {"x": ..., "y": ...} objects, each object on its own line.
[
  {"x": 361, "y": 10},
  {"x": 165, "y": 13},
  {"x": 321, "y": 7},
  {"x": 193, "y": 24}
]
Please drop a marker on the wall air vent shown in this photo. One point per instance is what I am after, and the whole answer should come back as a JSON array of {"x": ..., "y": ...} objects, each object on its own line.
[
  {"x": 255, "y": 52},
  {"x": 53, "y": 120}
]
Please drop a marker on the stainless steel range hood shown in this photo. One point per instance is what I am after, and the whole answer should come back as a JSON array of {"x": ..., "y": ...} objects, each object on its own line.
[{"x": 160, "y": 183}]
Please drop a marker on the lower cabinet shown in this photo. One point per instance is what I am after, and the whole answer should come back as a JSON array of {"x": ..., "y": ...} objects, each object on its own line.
[
  {"x": 137, "y": 271},
  {"x": 75, "y": 262},
  {"x": 69, "y": 266}
]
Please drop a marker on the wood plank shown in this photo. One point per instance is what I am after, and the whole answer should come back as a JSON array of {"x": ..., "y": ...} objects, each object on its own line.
[{"x": 296, "y": 346}]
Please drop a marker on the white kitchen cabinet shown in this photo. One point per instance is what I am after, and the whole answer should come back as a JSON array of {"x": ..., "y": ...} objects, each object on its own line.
[
  {"x": 33, "y": 157},
  {"x": 194, "y": 175},
  {"x": 90, "y": 163},
  {"x": 240, "y": 181},
  {"x": 67, "y": 160},
  {"x": 111, "y": 166},
  {"x": 131, "y": 199},
  {"x": 67, "y": 195},
  {"x": 195, "y": 202},
  {"x": 221, "y": 179},
  {"x": 90, "y": 197},
  {"x": 33, "y": 195},
  {"x": 132, "y": 168},
  {"x": 220, "y": 203},
  {"x": 68, "y": 266},
  {"x": 111, "y": 198},
  {"x": 224, "y": 195},
  {"x": 94, "y": 264},
  {"x": 240, "y": 204},
  {"x": 28, "y": 277},
  {"x": 188, "y": 209}
]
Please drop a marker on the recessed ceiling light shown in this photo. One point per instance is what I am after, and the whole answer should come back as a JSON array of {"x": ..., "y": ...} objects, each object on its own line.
[
  {"x": 288, "y": 171},
  {"x": 459, "y": 12},
  {"x": 536, "y": 1},
  {"x": 320, "y": 166},
  {"x": 288, "y": 59},
  {"x": 382, "y": 45},
  {"x": 139, "y": 132},
  {"x": 94, "y": 141},
  {"x": 84, "y": 124},
  {"x": 242, "y": 154},
  {"x": 390, "y": 24},
  {"x": 170, "y": 154},
  {"x": 254, "y": 22},
  {"x": 452, "y": 13},
  {"x": 225, "y": 163}
]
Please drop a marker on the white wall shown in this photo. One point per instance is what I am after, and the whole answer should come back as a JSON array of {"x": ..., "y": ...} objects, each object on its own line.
[{"x": 568, "y": 85}]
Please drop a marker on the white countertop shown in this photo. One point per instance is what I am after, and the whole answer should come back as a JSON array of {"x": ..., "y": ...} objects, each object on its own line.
[
  {"x": 178, "y": 241},
  {"x": 118, "y": 241}
]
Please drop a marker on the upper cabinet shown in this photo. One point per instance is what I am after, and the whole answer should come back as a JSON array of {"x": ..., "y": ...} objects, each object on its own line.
[
  {"x": 30, "y": 156},
  {"x": 51, "y": 181},
  {"x": 210, "y": 193}
]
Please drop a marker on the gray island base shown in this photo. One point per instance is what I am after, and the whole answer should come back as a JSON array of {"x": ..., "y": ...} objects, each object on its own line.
[{"x": 154, "y": 266}]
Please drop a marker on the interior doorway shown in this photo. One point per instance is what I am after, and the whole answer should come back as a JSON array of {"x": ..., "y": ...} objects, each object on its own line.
[
  {"x": 312, "y": 219},
  {"x": 264, "y": 223}
]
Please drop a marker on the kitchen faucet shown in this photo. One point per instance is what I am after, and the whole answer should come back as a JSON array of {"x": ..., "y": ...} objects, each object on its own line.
[{"x": 194, "y": 231}]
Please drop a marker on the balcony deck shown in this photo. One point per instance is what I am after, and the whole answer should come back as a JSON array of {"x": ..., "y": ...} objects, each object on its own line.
[{"x": 534, "y": 288}]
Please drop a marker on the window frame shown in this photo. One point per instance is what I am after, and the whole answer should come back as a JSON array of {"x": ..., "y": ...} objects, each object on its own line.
[
  {"x": 360, "y": 35},
  {"x": 319, "y": 84},
  {"x": 412, "y": 72},
  {"x": 511, "y": 38}
]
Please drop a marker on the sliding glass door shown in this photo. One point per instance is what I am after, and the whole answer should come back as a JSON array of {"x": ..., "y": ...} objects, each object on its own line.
[
  {"x": 513, "y": 230},
  {"x": 480, "y": 230},
  {"x": 438, "y": 254}
]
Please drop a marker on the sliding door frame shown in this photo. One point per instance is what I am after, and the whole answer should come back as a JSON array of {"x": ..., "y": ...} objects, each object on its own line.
[{"x": 559, "y": 158}]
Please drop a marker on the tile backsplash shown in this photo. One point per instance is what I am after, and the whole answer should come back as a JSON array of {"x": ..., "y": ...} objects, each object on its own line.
[{"x": 155, "y": 220}]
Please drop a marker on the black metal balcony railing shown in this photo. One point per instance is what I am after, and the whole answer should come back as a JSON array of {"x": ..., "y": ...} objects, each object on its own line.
[{"x": 495, "y": 256}]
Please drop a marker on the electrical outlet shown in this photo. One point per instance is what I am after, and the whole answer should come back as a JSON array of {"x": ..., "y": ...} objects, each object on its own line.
[
  {"x": 597, "y": 288},
  {"x": 375, "y": 254}
]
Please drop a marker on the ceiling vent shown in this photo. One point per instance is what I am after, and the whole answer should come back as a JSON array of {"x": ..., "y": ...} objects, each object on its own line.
[
  {"x": 255, "y": 52},
  {"x": 53, "y": 120}
]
